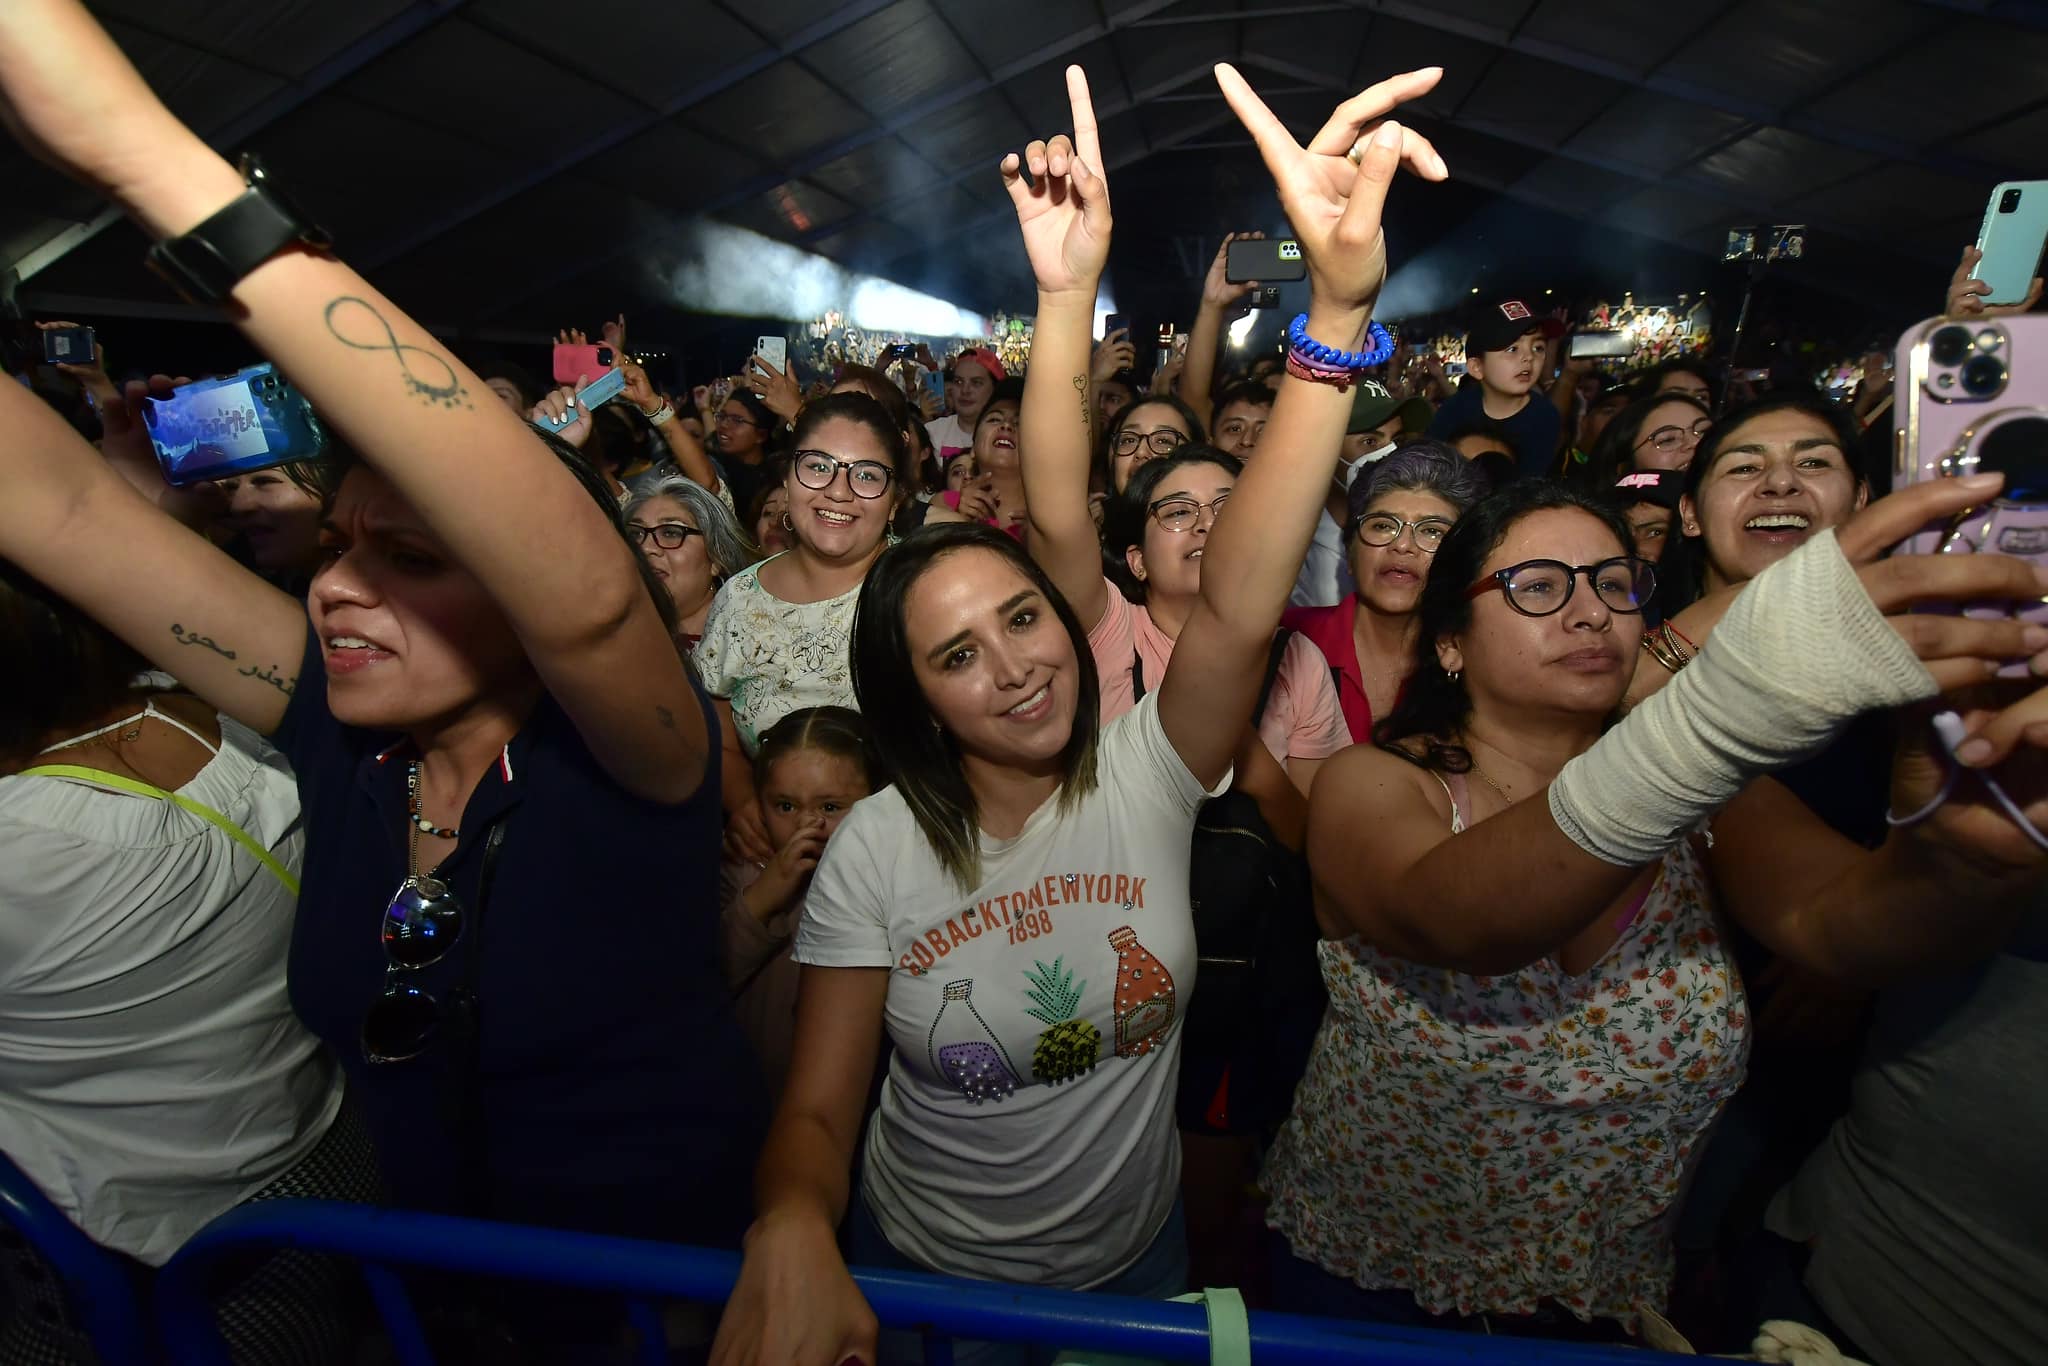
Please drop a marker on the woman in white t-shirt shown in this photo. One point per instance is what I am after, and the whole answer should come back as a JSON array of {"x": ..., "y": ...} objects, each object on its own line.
[
  {"x": 1014, "y": 909},
  {"x": 779, "y": 634}
]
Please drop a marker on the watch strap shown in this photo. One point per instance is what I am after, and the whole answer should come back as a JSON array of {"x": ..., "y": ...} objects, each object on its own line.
[{"x": 205, "y": 264}]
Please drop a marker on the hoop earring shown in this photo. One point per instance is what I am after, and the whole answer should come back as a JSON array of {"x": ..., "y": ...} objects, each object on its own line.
[
  {"x": 1454, "y": 674},
  {"x": 787, "y": 525}
]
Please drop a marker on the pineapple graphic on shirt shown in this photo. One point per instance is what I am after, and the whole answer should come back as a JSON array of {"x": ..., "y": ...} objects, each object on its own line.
[{"x": 1069, "y": 1047}]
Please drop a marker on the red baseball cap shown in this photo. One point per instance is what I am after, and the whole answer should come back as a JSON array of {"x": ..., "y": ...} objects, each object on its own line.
[{"x": 986, "y": 359}]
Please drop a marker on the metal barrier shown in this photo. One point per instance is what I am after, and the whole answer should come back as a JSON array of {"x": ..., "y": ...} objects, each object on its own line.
[
  {"x": 94, "y": 1281},
  {"x": 643, "y": 1274}
]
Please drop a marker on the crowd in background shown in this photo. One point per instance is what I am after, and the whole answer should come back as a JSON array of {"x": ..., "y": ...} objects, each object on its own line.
[{"x": 1454, "y": 846}]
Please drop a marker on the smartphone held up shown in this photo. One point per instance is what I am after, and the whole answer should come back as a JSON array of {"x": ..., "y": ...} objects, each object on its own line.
[{"x": 214, "y": 428}]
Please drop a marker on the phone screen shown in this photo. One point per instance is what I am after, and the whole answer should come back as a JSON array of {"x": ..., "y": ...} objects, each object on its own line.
[
  {"x": 774, "y": 350},
  {"x": 251, "y": 420}
]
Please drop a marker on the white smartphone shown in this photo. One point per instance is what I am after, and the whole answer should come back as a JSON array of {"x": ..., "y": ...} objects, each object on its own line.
[
  {"x": 2014, "y": 233},
  {"x": 774, "y": 350}
]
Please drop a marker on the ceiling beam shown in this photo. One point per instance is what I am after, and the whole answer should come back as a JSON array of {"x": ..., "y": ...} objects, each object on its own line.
[{"x": 407, "y": 24}]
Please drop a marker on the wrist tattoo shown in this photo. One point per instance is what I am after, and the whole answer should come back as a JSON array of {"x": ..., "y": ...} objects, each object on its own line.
[
  {"x": 271, "y": 674},
  {"x": 186, "y": 637},
  {"x": 1081, "y": 388},
  {"x": 427, "y": 376}
]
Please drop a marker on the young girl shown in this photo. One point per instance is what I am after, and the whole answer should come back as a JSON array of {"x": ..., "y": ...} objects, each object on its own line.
[{"x": 813, "y": 765}]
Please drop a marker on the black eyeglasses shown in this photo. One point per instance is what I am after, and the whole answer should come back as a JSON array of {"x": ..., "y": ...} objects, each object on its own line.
[
  {"x": 867, "y": 478},
  {"x": 667, "y": 535},
  {"x": 422, "y": 923},
  {"x": 1672, "y": 438},
  {"x": 1183, "y": 514},
  {"x": 1381, "y": 528},
  {"x": 1162, "y": 442},
  {"x": 1540, "y": 588}
]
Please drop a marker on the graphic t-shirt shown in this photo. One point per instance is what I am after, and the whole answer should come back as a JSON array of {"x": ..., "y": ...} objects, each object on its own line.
[
  {"x": 1302, "y": 719},
  {"x": 1026, "y": 1130},
  {"x": 767, "y": 657}
]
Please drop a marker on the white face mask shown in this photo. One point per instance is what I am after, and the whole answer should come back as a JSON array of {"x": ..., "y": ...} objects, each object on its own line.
[{"x": 1347, "y": 475}]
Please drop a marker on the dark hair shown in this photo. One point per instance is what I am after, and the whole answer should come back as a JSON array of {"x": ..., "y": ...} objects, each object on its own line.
[
  {"x": 1652, "y": 381},
  {"x": 1258, "y": 393},
  {"x": 921, "y": 756},
  {"x": 1614, "y": 452},
  {"x": 64, "y": 668},
  {"x": 1484, "y": 427},
  {"x": 341, "y": 461},
  {"x": 1421, "y": 466},
  {"x": 1837, "y": 418},
  {"x": 881, "y": 389},
  {"x": 1005, "y": 391},
  {"x": 869, "y": 413},
  {"x": 1433, "y": 706},
  {"x": 758, "y": 411},
  {"x": 838, "y": 731},
  {"x": 488, "y": 367},
  {"x": 1125, "y": 514},
  {"x": 1104, "y": 473},
  {"x": 773, "y": 471}
]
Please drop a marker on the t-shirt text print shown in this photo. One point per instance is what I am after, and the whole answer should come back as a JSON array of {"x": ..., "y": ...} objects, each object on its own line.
[{"x": 1026, "y": 1126}]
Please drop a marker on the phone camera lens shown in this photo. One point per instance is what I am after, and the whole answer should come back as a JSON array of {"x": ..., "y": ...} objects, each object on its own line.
[
  {"x": 2009, "y": 202},
  {"x": 1983, "y": 376},
  {"x": 1949, "y": 345}
]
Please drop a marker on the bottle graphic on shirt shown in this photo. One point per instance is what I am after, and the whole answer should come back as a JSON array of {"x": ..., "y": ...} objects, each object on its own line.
[
  {"x": 964, "y": 1049},
  {"x": 1144, "y": 995},
  {"x": 1071, "y": 1046}
]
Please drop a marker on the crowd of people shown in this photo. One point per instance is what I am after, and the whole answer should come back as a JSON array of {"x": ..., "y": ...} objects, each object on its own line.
[{"x": 1464, "y": 852}]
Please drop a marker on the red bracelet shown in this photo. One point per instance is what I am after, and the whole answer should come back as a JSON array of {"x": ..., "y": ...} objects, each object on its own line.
[
  {"x": 1301, "y": 367},
  {"x": 1672, "y": 627}
]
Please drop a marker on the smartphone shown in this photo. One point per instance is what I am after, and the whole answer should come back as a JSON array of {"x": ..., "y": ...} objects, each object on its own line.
[
  {"x": 899, "y": 351},
  {"x": 1264, "y": 260},
  {"x": 1973, "y": 398},
  {"x": 2014, "y": 233},
  {"x": 1268, "y": 297},
  {"x": 595, "y": 395},
  {"x": 214, "y": 428},
  {"x": 1114, "y": 323},
  {"x": 1601, "y": 345},
  {"x": 574, "y": 362},
  {"x": 69, "y": 345},
  {"x": 774, "y": 350},
  {"x": 1166, "y": 336}
]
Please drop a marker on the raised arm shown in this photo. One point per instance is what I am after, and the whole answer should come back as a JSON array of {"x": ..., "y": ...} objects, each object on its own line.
[
  {"x": 1257, "y": 547},
  {"x": 1197, "y": 380},
  {"x": 487, "y": 485},
  {"x": 1515, "y": 886},
  {"x": 1064, "y": 214},
  {"x": 689, "y": 453},
  {"x": 83, "y": 531}
]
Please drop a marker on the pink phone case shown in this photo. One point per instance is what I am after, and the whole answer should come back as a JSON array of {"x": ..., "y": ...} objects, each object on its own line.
[
  {"x": 1971, "y": 398},
  {"x": 574, "y": 362}
]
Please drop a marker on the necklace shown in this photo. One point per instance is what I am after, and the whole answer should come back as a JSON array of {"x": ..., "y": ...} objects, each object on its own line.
[
  {"x": 412, "y": 800},
  {"x": 1480, "y": 773}
]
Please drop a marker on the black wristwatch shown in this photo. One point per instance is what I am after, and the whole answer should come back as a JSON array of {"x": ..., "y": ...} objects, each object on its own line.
[{"x": 205, "y": 264}]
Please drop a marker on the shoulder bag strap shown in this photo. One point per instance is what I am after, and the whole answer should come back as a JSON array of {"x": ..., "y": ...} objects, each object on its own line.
[
  {"x": 1275, "y": 656},
  {"x": 177, "y": 799}
]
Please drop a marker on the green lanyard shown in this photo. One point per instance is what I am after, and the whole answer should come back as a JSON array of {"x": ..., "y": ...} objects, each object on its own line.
[{"x": 199, "y": 809}]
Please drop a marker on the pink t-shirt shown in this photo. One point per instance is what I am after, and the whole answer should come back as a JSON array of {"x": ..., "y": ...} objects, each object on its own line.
[{"x": 1302, "y": 721}]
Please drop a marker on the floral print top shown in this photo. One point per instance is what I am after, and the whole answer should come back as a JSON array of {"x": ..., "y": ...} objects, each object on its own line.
[
  {"x": 768, "y": 658},
  {"x": 1489, "y": 1143}
]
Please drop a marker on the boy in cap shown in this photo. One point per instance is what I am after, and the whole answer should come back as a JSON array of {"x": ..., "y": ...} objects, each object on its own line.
[
  {"x": 1649, "y": 500},
  {"x": 1505, "y": 349},
  {"x": 1379, "y": 422}
]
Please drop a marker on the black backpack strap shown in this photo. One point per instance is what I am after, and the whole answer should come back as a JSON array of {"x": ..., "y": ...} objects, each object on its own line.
[
  {"x": 1274, "y": 658},
  {"x": 1137, "y": 677}
]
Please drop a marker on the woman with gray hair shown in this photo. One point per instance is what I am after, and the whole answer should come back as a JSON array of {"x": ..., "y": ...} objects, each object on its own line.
[
  {"x": 692, "y": 541},
  {"x": 1397, "y": 513}
]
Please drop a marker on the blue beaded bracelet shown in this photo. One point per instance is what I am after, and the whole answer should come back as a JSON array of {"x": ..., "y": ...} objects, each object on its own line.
[{"x": 1382, "y": 347}]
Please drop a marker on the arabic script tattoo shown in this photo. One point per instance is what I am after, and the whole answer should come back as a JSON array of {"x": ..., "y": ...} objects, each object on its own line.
[{"x": 194, "y": 638}]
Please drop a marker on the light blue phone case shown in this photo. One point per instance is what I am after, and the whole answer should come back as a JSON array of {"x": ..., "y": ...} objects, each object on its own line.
[{"x": 2012, "y": 242}]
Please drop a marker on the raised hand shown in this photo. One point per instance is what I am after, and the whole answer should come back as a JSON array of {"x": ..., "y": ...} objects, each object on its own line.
[
  {"x": 615, "y": 334},
  {"x": 2008, "y": 727},
  {"x": 639, "y": 390},
  {"x": 1217, "y": 291},
  {"x": 1966, "y": 293},
  {"x": 92, "y": 378},
  {"x": 557, "y": 402},
  {"x": 1064, "y": 208},
  {"x": 777, "y": 388},
  {"x": 1113, "y": 353},
  {"x": 1333, "y": 201}
]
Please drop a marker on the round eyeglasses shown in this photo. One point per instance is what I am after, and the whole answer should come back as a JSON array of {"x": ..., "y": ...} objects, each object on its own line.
[
  {"x": 1673, "y": 438},
  {"x": 1540, "y": 588},
  {"x": 667, "y": 535},
  {"x": 1384, "y": 529},
  {"x": 867, "y": 478},
  {"x": 1184, "y": 514},
  {"x": 1164, "y": 441}
]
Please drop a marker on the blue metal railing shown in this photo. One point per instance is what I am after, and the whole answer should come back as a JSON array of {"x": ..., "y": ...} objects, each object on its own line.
[
  {"x": 95, "y": 1281},
  {"x": 644, "y": 1274}
]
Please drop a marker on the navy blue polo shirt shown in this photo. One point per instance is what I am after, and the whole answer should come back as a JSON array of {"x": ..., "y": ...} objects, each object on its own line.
[{"x": 615, "y": 1090}]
